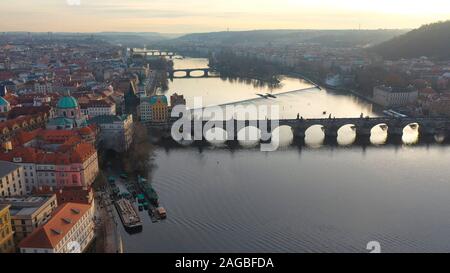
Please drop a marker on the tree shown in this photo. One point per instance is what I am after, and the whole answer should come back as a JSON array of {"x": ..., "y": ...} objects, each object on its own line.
[{"x": 138, "y": 159}]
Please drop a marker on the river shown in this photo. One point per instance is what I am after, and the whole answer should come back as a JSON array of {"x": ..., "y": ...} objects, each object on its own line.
[{"x": 297, "y": 199}]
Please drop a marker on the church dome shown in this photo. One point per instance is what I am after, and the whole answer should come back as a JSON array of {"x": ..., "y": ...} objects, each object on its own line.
[
  {"x": 3, "y": 102},
  {"x": 67, "y": 102}
]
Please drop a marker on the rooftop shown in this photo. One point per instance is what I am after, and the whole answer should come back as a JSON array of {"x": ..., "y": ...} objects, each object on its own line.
[
  {"x": 2, "y": 207},
  {"x": 50, "y": 234},
  {"x": 23, "y": 206},
  {"x": 7, "y": 167},
  {"x": 107, "y": 119},
  {"x": 67, "y": 102},
  {"x": 392, "y": 89}
]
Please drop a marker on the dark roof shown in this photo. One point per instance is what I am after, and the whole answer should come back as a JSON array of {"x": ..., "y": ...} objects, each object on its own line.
[
  {"x": 7, "y": 167},
  {"x": 106, "y": 119},
  {"x": 3, "y": 90}
]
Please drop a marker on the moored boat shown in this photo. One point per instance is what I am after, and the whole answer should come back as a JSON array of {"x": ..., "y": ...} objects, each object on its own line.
[{"x": 128, "y": 214}]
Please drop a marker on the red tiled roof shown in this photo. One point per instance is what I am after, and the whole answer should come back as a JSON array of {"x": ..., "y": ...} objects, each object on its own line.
[
  {"x": 24, "y": 136},
  {"x": 18, "y": 121},
  {"x": 66, "y": 154},
  {"x": 28, "y": 155},
  {"x": 82, "y": 195},
  {"x": 82, "y": 152},
  {"x": 32, "y": 110},
  {"x": 50, "y": 234}
]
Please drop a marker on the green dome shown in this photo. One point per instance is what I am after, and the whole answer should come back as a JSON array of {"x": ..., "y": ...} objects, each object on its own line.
[
  {"x": 3, "y": 102},
  {"x": 155, "y": 99},
  {"x": 67, "y": 102}
]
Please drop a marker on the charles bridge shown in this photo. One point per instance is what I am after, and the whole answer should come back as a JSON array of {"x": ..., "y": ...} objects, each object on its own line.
[{"x": 427, "y": 126}]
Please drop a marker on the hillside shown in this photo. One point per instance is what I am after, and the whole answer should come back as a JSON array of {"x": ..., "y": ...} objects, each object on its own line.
[
  {"x": 334, "y": 38},
  {"x": 429, "y": 40}
]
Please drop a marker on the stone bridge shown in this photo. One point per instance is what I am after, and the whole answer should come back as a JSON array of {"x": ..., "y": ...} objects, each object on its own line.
[
  {"x": 172, "y": 73},
  {"x": 147, "y": 53},
  {"x": 363, "y": 126}
]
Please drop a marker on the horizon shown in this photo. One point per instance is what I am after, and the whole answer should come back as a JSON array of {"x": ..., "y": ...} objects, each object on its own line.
[
  {"x": 205, "y": 32},
  {"x": 197, "y": 16}
]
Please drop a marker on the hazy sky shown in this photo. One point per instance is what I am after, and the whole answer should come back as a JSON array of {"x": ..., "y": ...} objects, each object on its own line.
[{"x": 181, "y": 16}]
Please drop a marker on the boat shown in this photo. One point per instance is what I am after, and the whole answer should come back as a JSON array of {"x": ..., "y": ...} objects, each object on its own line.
[
  {"x": 263, "y": 96},
  {"x": 141, "y": 198},
  {"x": 271, "y": 96},
  {"x": 148, "y": 191},
  {"x": 161, "y": 212},
  {"x": 333, "y": 80},
  {"x": 128, "y": 214}
]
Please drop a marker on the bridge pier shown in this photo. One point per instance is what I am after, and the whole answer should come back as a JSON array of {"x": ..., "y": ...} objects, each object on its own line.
[
  {"x": 299, "y": 134},
  {"x": 363, "y": 135},
  {"x": 395, "y": 135},
  {"x": 331, "y": 134}
]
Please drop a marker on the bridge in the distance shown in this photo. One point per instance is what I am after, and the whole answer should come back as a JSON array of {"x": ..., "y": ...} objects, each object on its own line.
[
  {"x": 427, "y": 126},
  {"x": 187, "y": 73},
  {"x": 147, "y": 52}
]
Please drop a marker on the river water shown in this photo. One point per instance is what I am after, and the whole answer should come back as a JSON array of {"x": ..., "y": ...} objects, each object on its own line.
[{"x": 297, "y": 199}]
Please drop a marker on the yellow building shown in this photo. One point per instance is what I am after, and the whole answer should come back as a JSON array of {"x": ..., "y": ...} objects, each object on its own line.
[
  {"x": 154, "y": 109},
  {"x": 6, "y": 232}
]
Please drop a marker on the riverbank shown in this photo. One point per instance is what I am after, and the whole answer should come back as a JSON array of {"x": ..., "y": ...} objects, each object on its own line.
[{"x": 321, "y": 84}]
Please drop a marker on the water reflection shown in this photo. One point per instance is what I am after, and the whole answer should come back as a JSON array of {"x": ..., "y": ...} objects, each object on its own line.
[{"x": 440, "y": 138}]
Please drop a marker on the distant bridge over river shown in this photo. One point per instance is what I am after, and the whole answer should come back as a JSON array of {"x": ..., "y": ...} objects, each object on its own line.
[
  {"x": 187, "y": 73},
  {"x": 147, "y": 52}
]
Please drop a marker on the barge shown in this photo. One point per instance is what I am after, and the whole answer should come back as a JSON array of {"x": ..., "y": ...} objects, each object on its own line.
[{"x": 128, "y": 214}]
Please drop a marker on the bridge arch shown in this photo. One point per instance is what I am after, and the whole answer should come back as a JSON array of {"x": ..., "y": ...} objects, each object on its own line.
[
  {"x": 180, "y": 74},
  {"x": 282, "y": 136},
  {"x": 216, "y": 136},
  {"x": 411, "y": 133},
  {"x": 249, "y": 136},
  {"x": 346, "y": 134},
  {"x": 378, "y": 134},
  {"x": 315, "y": 135}
]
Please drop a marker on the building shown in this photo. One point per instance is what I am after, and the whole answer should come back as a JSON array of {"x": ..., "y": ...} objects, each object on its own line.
[
  {"x": 131, "y": 100},
  {"x": 10, "y": 128},
  {"x": 95, "y": 108},
  {"x": 154, "y": 109},
  {"x": 43, "y": 87},
  {"x": 391, "y": 96},
  {"x": 176, "y": 99},
  {"x": 116, "y": 132},
  {"x": 6, "y": 231},
  {"x": 70, "y": 230},
  {"x": 68, "y": 115},
  {"x": 82, "y": 195},
  {"x": 11, "y": 180},
  {"x": 69, "y": 166},
  {"x": 29, "y": 213},
  {"x": 5, "y": 107}
]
